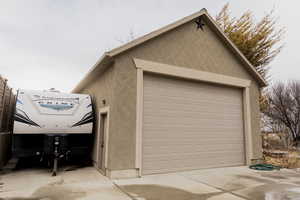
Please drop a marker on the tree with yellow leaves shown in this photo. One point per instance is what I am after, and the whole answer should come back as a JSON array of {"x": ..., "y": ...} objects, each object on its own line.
[{"x": 259, "y": 42}]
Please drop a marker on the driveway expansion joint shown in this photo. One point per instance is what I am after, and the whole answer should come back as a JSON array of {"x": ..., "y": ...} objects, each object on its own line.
[
  {"x": 225, "y": 191},
  {"x": 123, "y": 191}
]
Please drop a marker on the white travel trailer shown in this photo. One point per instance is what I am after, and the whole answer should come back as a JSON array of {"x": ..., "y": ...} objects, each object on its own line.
[
  {"x": 52, "y": 125},
  {"x": 46, "y": 112}
]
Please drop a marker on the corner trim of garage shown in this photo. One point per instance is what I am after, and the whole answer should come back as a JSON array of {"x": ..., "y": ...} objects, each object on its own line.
[
  {"x": 191, "y": 74},
  {"x": 247, "y": 125},
  {"x": 139, "y": 120},
  {"x": 104, "y": 110}
]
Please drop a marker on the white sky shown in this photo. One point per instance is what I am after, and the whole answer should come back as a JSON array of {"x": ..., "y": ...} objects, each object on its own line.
[{"x": 53, "y": 43}]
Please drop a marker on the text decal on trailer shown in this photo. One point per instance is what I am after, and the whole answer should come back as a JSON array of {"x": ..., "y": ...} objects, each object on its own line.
[{"x": 56, "y": 103}]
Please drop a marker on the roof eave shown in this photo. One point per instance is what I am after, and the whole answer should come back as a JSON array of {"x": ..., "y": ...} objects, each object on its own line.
[
  {"x": 108, "y": 56},
  {"x": 155, "y": 33},
  {"x": 136, "y": 42},
  {"x": 253, "y": 71},
  {"x": 104, "y": 61}
]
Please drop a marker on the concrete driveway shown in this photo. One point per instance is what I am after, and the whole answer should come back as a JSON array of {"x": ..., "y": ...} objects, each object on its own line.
[
  {"x": 38, "y": 184},
  {"x": 234, "y": 183}
]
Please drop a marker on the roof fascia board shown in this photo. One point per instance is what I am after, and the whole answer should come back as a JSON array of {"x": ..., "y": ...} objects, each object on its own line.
[
  {"x": 101, "y": 64},
  {"x": 214, "y": 25},
  {"x": 108, "y": 56},
  {"x": 234, "y": 48},
  {"x": 156, "y": 33}
]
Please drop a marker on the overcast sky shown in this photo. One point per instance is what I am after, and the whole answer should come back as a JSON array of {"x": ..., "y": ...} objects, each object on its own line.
[{"x": 53, "y": 43}]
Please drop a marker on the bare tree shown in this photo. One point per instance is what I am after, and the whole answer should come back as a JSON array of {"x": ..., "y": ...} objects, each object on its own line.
[
  {"x": 284, "y": 106},
  {"x": 260, "y": 41},
  {"x": 269, "y": 125}
]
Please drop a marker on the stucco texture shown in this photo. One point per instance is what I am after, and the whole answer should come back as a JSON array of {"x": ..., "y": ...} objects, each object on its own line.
[
  {"x": 100, "y": 89},
  {"x": 185, "y": 46}
]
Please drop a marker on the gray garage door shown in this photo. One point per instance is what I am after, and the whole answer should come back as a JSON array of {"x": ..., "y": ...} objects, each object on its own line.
[{"x": 190, "y": 125}]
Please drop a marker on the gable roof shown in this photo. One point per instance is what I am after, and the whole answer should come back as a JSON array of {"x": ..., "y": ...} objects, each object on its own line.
[{"x": 108, "y": 56}]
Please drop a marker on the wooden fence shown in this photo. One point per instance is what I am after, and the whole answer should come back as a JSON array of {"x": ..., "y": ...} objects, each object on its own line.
[{"x": 7, "y": 104}]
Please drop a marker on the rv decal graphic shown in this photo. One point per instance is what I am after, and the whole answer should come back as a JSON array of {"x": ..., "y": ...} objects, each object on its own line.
[
  {"x": 87, "y": 118},
  {"x": 18, "y": 101},
  {"x": 89, "y": 105},
  {"x": 57, "y": 104},
  {"x": 21, "y": 116}
]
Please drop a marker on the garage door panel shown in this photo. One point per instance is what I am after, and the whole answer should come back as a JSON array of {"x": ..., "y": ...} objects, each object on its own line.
[
  {"x": 192, "y": 138},
  {"x": 173, "y": 122},
  {"x": 196, "y": 140},
  {"x": 194, "y": 149},
  {"x": 173, "y": 115},
  {"x": 189, "y": 113},
  {"x": 190, "y": 125},
  {"x": 218, "y": 130},
  {"x": 190, "y": 110},
  {"x": 221, "y": 100},
  {"x": 189, "y": 162},
  {"x": 226, "y": 134},
  {"x": 193, "y": 156},
  {"x": 179, "y": 101},
  {"x": 192, "y": 130},
  {"x": 187, "y": 148}
]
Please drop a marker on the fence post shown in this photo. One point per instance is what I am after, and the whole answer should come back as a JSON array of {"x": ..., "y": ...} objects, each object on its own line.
[
  {"x": 3, "y": 104},
  {"x": 12, "y": 111},
  {"x": 8, "y": 112}
]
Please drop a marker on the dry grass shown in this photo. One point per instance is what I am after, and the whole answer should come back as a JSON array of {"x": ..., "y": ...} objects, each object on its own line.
[{"x": 289, "y": 159}]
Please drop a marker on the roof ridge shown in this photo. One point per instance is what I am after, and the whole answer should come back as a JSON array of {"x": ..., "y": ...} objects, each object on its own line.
[
  {"x": 108, "y": 56},
  {"x": 155, "y": 33}
]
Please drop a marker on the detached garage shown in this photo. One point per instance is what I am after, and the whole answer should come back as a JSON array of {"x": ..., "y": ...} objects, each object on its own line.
[{"x": 179, "y": 98}]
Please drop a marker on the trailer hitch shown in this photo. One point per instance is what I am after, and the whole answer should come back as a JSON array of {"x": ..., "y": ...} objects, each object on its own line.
[
  {"x": 59, "y": 153},
  {"x": 56, "y": 154}
]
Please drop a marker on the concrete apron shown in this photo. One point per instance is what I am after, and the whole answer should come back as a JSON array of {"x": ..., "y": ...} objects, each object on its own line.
[
  {"x": 85, "y": 183},
  {"x": 215, "y": 184}
]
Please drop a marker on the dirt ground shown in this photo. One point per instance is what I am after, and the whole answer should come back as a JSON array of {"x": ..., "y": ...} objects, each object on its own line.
[{"x": 283, "y": 158}]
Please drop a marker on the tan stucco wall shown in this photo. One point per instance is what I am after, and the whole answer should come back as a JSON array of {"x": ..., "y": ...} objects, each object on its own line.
[
  {"x": 101, "y": 89},
  {"x": 184, "y": 46}
]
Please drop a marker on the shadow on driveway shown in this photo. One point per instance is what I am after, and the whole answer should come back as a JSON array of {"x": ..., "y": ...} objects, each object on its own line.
[{"x": 157, "y": 192}]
